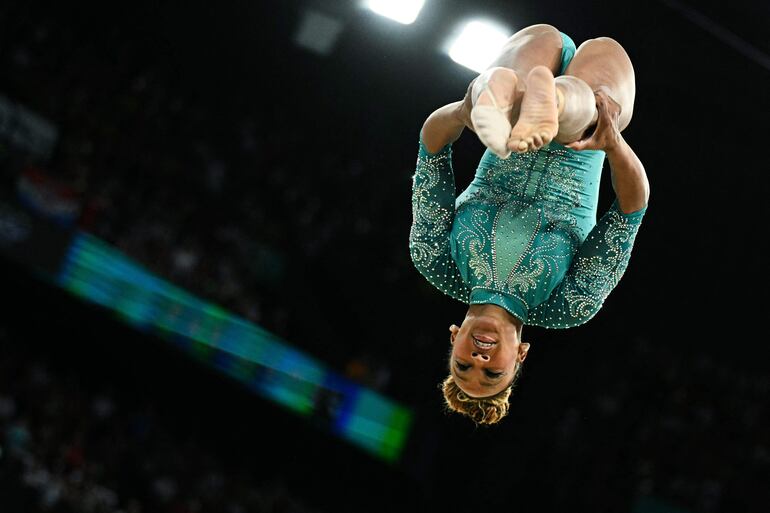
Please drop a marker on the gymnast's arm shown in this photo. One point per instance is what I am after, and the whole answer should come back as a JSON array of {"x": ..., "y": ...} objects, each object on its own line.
[
  {"x": 629, "y": 180},
  {"x": 433, "y": 204},
  {"x": 445, "y": 125},
  {"x": 604, "y": 255}
]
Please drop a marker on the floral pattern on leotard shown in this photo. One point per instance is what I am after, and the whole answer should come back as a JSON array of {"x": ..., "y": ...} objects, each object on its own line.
[
  {"x": 521, "y": 234},
  {"x": 433, "y": 195}
]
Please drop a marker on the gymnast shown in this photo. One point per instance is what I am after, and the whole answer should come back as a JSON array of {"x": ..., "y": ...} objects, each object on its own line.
[{"x": 522, "y": 245}]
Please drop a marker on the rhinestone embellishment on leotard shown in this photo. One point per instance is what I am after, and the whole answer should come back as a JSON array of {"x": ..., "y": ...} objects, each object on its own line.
[{"x": 521, "y": 231}]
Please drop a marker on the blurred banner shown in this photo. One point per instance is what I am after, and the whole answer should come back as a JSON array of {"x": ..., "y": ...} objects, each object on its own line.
[
  {"x": 48, "y": 197},
  {"x": 95, "y": 271},
  {"x": 25, "y": 130}
]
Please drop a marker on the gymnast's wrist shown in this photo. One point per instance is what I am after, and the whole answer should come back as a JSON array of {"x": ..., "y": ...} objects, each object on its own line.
[{"x": 615, "y": 145}]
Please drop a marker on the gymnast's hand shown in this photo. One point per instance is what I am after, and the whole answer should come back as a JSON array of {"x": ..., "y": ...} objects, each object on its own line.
[{"x": 606, "y": 136}]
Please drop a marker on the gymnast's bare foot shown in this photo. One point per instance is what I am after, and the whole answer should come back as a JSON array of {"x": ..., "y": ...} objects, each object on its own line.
[
  {"x": 494, "y": 92},
  {"x": 539, "y": 118}
]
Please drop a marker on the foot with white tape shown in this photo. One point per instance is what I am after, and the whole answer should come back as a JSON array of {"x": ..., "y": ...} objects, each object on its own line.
[
  {"x": 538, "y": 120},
  {"x": 491, "y": 114}
]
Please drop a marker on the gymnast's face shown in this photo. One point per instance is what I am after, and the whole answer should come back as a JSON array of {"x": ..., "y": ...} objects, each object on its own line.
[{"x": 485, "y": 352}]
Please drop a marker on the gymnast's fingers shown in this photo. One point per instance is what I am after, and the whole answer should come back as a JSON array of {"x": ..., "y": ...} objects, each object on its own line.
[
  {"x": 604, "y": 122},
  {"x": 582, "y": 144}
]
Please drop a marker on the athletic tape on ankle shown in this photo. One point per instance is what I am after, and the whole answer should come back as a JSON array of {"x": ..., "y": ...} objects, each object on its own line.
[{"x": 579, "y": 109}]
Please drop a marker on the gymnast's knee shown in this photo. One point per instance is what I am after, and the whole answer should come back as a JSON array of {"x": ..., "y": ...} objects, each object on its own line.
[
  {"x": 540, "y": 31},
  {"x": 541, "y": 28},
  {"x": 602, "y": 41}
]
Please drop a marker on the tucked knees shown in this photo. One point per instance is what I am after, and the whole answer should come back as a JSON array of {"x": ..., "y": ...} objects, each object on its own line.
[
  {"x": 538, "y": 29},
  {"x": 601, "y": 44},
  {"x": 529, "y": 47},
  {"x": 604, "y": 64}
]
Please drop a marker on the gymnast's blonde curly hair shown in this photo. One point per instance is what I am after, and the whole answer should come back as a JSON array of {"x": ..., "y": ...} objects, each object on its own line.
[{"x": 481, "y": 410}]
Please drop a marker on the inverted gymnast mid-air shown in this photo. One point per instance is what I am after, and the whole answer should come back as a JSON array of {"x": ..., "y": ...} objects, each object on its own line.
[{"x": 522, "y": 245}]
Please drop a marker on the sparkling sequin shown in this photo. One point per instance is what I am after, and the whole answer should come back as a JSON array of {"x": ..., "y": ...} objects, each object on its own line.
[
  {"x": 433, "y": 192},
  {"x": 522, "y": 235}
]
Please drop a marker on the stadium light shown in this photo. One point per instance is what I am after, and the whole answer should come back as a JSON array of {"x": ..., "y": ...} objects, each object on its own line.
[
  {"x": 318, "y": 32},
  {"x": 402, "y": 11},
  {"x": 477, "y": 45}
]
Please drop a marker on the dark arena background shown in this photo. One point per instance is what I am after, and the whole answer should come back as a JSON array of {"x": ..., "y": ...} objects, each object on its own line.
[{"x": 208, "y": 303}]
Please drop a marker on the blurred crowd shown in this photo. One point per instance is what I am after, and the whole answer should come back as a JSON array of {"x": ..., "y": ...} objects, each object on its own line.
[
  {"x": 203, "y": 193},
  {"x": 66, "y": 446},
  {"x": 694, "y": 434},
  {"x": 689, "y": 428}
]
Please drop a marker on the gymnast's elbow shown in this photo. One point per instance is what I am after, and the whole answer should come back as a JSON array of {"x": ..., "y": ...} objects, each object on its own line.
[
  {"x": 631, "y": 201},
  {"x": 644, "y": 190}
]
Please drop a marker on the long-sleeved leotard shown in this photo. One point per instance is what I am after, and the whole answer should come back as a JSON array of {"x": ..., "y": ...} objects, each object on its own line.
[{"x": 523, "y": 235}]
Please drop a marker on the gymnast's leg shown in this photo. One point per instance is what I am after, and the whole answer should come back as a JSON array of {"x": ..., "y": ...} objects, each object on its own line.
[
  {"x": 602, "y": 63},
  {"x": 516, "y": 104},
  {"x": 598, "y": 64},
  {"x": 495, "y": 98},
  {"x": 521, "y": 87}
]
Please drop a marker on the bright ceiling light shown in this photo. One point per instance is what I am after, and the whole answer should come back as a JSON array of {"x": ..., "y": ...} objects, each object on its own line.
[
  {"x": 477, "y": 45},
  {"x": 402, "y": 11}
]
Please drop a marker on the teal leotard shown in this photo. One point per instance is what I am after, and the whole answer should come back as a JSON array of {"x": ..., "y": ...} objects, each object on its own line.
[{"x": 524, "y": 234}]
